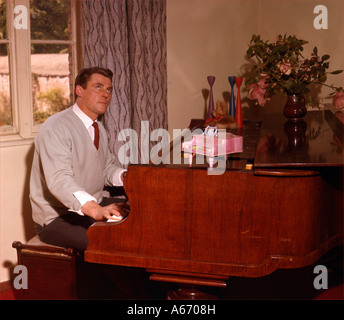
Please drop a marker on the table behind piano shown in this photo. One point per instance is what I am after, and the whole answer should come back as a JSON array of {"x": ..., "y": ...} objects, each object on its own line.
[{"x": 244, "y": 222}]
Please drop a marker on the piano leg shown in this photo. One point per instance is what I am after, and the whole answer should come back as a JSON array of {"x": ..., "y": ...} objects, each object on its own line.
[
  {"x": 191, "y": 292},
  {"x": 191, "y": 286}
]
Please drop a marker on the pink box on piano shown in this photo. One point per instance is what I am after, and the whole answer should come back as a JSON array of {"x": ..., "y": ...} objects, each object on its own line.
[{"x": 213, "y": 146}]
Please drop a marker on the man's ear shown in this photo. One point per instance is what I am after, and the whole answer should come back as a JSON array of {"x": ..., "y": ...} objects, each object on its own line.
[{"x": 79, "y": 89}]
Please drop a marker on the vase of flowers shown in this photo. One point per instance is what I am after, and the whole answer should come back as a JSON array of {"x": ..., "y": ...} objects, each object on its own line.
[
  {"x": 280, "y": 67},
  {"x": 295, "y": 107}
]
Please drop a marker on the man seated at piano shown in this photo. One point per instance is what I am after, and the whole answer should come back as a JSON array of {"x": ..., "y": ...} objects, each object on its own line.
[{"x": 71, "y": 165}]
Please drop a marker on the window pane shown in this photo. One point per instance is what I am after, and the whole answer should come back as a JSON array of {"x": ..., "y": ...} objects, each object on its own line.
[
  {"x": 3, "y": 31},
  {"x": 50, "y": 81},
  {"x": 50, "y": 19},
  {"x": 5, "y": 97}
]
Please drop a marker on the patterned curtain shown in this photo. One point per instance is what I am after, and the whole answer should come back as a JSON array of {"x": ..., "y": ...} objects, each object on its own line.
[{"x": 129, "y": 37}]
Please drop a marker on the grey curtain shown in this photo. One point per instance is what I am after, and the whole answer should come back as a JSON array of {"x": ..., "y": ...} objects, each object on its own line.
[{"x": 129, "y": 37}]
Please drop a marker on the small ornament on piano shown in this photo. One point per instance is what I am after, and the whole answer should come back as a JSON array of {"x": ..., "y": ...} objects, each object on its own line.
[{"x": 210, "y": 131}]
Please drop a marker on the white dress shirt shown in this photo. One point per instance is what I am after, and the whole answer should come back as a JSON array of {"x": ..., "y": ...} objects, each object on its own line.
[{"x": 83, "y": 196}]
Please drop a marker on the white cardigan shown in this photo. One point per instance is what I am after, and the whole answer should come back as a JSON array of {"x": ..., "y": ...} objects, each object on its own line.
[{"x": 66, "y": 161}]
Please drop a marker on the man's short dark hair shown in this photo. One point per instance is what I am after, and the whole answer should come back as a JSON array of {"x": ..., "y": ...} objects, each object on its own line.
[{"x": 85, "y": 74}]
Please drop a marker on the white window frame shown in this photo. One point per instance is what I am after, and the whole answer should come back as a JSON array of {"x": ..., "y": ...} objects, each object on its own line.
[{"x": 23, "y": 129}]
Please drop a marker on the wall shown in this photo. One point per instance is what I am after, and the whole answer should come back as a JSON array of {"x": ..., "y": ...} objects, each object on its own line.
[
  {"x": 204, "y": 37},
  {"x": 15, "y": 210},
  {"x": 211, "y": 37}
]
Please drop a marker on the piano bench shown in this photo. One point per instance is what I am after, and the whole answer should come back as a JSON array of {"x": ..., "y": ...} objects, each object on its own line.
[{"x": 51, "y": 270}]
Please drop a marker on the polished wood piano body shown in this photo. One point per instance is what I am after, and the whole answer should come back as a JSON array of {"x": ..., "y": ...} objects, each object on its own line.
[{"x": 279, "y": 204}]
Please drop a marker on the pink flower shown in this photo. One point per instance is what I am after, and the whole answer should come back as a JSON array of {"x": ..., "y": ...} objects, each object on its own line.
[
  {"x": 262, "y": 82},
  {"x": 285, "y": 68},
  {"x": 338, "y": 100},
  {"x": 258, "y": 91}
]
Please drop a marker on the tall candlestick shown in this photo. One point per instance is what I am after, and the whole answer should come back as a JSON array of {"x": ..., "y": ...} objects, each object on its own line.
[
  {"x": 232, "y": 102},
  {"x": 238, "y": 110},
  {"x": 211, "y": 80}
]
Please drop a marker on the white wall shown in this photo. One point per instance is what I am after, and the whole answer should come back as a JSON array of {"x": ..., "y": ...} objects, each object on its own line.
[
  {"x": 15, "y": 210},
  {"x": 210, "y": 37}
]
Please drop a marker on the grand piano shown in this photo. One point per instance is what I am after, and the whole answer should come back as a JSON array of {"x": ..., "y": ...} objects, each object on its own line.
[{"x": 279, "y": 204}]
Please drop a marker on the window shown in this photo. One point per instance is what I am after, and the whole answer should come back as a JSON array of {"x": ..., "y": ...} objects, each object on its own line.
[
  {"x": 37, "y": 63},
  {"x": 5, "y": 96}
]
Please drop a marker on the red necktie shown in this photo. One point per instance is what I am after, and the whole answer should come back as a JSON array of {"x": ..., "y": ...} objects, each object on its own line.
[{"x": 96, "y": 134}]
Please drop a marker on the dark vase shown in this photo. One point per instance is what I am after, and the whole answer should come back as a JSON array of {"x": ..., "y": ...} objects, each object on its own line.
[{"x": 295, "y": 107}]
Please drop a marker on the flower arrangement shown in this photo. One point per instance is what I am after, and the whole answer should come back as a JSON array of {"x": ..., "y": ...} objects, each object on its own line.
[{"x": 281, "y": 68}]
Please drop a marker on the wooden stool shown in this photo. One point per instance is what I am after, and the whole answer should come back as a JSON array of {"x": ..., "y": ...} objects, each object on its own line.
[{"x": 51, "y": 270}]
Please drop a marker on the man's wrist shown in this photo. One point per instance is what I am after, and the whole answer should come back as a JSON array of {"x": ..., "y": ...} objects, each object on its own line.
[{"x": 90, "y": 209}]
